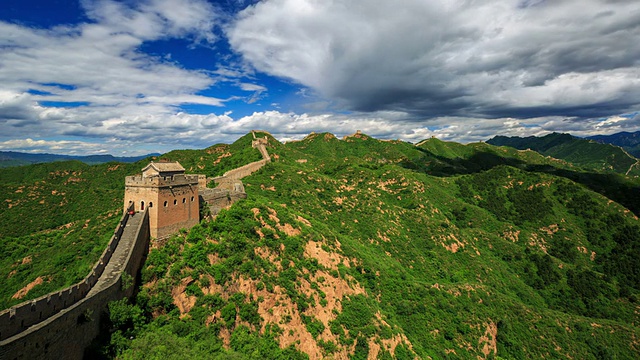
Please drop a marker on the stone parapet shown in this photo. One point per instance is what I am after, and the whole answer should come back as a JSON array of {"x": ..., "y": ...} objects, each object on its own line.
[
  {"x": 21, "y": 316},
  {"x": 66, "y": 333},
  {"x": 162, "y": 181}
]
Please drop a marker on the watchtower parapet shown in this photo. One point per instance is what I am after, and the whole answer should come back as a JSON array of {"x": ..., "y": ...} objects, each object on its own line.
[
  {"x": 162, "y": 181},
  {"x": 170, "y": 195}
]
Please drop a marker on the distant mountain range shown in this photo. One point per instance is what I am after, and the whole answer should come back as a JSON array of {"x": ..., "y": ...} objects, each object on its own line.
[
  {"x": 13, "y": 158},
  {"x": 626, "y": 140},
  {"x": 585, "y": 153}
]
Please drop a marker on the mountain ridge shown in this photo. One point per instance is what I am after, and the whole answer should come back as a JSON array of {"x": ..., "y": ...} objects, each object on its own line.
[
  {"x": 16, "y": 158},
  {"x": 630, "y": 141},
  {"x": 363, "y": 247},
  {"x": 581, "y": 152}
]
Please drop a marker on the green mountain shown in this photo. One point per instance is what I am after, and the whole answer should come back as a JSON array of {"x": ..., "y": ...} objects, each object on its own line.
[
  {"x": 626, "y": 140},
  {"x": 14, "y": 158},
  {"x": 57, "y": 217},
  {"x": 361, "y": 248},
  {"x": 588, "y": 154}
]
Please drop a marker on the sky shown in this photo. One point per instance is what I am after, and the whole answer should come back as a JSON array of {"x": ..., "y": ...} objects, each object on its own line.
[{"x": 134, "y": 77}]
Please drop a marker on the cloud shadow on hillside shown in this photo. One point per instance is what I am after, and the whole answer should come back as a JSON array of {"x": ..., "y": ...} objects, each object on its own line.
[{"x": 613, "y": 186}]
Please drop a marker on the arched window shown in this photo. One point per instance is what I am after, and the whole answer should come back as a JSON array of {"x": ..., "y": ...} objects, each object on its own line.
[
  {"x": 175, "y": 201},
  {"x": 192, "y": 198},
  {"x": 184, "y": 200},
  {"x": 150, "y": 204},
  {"x": 165, "y": 204},
  {"x": 141, "y": 205}
]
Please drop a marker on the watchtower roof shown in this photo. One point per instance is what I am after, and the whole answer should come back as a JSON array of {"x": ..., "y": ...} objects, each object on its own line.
[
  {"x": 162, "y": 169},
  {"x": 173, "y": 166}
]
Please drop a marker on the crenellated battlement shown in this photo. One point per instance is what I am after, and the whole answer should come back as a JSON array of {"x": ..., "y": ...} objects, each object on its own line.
[{"x": 162, "y": 181}]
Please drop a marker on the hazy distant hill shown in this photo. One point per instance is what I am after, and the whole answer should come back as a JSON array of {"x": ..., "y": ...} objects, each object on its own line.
[
  {"x": 588, "y": 154},
  {"x": 13, "y": 158},
  {"x": 626, "y": 140},
  {"x": 356, "y": 248}
]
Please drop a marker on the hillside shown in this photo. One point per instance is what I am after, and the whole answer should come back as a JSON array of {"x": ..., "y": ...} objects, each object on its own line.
[
  {"x": 626, "y": 140},
  {"x": 57, "y": 217},
  {"x": 587, "y": 154},
  {"x": 360, "y": 248}
]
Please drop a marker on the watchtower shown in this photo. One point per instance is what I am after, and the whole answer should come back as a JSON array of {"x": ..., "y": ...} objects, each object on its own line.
[{"x": 170, "y": 195}]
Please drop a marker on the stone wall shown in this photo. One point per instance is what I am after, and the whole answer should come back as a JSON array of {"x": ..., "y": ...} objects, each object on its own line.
[
  {"x": 178, "y": 207},
  {"x": 22, "y": 316},
  {"x": 229, "y": 187},
  {"x": 61, "y": 325},
  {"x": 243, "y": 171},
  {"x": 67, "y": 333},
  {"x": 162, "y": 181},
  {"x": 172, "y": 201},
  {"x": 218, "y": 199}
]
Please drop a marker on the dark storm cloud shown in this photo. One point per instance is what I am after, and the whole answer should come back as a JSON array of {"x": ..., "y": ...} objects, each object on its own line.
[{"x": 452, "y": 58}]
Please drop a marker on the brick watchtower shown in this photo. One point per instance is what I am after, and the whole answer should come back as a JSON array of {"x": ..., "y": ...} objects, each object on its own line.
[{"x": 170, "y": 195}]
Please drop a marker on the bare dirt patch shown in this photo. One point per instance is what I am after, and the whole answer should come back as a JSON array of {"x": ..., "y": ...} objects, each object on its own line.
[
  {"x": 537, "y": 241},
  {"x": 303, "y": 220},
  {"x": 511, "y": 235},
  {"x": 181, "y": 300},
  {"x": 25, "y": 290},
  {"x": 314, "y": 250},
  {"x": 289, "y": 230},
  {"x": 551, "y": 229},
  {"x": 488, "y": 340}
]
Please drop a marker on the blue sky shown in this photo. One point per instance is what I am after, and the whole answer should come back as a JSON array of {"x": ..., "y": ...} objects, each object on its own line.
[{"x": 132, "y": 77}]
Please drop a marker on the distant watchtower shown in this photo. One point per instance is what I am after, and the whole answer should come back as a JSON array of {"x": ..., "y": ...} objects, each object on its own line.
[{"x": 170, "y": 195}]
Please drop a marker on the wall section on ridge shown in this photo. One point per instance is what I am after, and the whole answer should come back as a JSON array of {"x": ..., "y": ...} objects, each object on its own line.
[
  {"x": 67, "y": 334},
  {"x": 18, "y": 318}
]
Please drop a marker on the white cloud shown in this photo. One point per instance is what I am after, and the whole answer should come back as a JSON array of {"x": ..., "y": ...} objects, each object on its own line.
[
  {"x": 252, "y": 87},
  {"x": 458, "y": 70},
  {"x": 157, "y": 132},
  {"x": 99, "y": 64},
  {"x": 67, "y": 147},
  {"x": 490, "y": 58}
]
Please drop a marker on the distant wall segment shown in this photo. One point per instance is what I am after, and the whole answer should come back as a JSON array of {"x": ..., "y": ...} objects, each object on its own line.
[{"x": 229, "y": 187}]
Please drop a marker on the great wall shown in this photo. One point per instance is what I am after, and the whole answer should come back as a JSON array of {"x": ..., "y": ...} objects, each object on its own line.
[{"x": 62, "y": 324}]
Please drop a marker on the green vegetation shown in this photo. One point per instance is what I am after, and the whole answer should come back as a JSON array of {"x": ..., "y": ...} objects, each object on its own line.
[
  {"x": 217, "y": 159},
  {"x": 55, "y": 221},
  {"x": 56, "y": 218},
  {"x": 626, "y": 140},
  {"x": 363, "y": 247},
  {"x": 588, "y": 154}
]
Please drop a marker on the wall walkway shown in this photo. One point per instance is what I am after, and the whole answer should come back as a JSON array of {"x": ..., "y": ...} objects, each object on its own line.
[
  {"x": 229, "y": 187},
  {"x": 61, "y": 325},
  {"x": 67, "y": 333}
]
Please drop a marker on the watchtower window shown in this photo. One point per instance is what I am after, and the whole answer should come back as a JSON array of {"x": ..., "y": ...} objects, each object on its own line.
[
  {"x": 141, "y": 205},
  {"x": 192, "y": 198},
  {"x": 165, "y": 204},
  {"x": 175, "y": 202},
  {"x": 184, "y": 200},
  {"x": 150, "y": 204}
]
